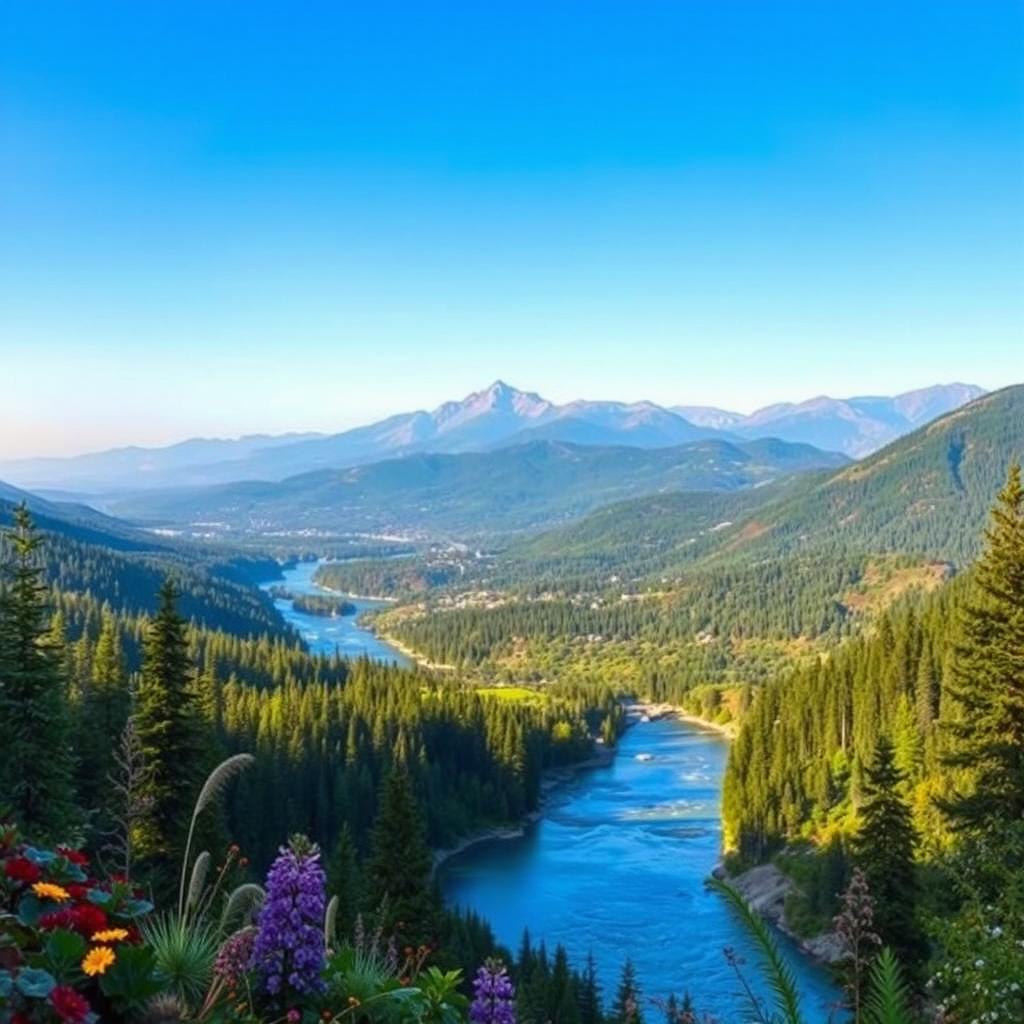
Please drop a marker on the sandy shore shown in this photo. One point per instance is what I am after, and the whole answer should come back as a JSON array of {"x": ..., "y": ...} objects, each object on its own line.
[
  {"x": 410, "y": 653},
  {"x": 655, "y": 711}
]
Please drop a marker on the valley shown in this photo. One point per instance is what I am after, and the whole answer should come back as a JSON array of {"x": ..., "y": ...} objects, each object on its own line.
[{"x": 499, "y": 610}]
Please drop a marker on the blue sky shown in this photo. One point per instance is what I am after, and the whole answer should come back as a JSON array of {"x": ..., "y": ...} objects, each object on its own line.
[{"x": 226, "y": 217}]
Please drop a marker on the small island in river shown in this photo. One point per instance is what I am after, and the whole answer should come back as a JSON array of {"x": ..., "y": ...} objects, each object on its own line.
[{"x": 315, "y": 604}]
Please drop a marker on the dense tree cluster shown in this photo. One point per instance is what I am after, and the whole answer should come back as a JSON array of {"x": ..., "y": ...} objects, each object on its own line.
[{"x": 325, "y": 732}]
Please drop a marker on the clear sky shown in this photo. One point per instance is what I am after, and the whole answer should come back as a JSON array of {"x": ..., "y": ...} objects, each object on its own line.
[{"x": 228, "y": 217}]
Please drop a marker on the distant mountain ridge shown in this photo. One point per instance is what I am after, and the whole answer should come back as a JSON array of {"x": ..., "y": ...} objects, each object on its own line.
[
  {"x": 494, "y": 417},
  {"x": 855, "y": 426},
  {"x": 471, "y": 494}
]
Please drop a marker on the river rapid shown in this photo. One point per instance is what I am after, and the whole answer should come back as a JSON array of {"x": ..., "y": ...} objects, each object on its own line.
[{"x": 616, "y": 866}]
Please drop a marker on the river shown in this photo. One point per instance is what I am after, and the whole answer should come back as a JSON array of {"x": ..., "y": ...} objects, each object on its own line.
[
  {"x": 325, "y": 634},
  {"x": 617, "y": 865}
]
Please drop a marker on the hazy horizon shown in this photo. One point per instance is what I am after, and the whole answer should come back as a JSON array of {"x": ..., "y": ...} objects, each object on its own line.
[{"x": 173, "y": 439}]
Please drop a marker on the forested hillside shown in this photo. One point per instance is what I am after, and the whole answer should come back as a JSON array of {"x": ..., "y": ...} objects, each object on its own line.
[
  {"x": 325, "y": 730},
  {"x": 472, "y": 495},
  {"x": 727, "y": 588},
  {"x": 117, "y": 565}
]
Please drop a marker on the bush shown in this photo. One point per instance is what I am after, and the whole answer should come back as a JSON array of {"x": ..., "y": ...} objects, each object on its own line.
[{"x": 70, "y": 945}]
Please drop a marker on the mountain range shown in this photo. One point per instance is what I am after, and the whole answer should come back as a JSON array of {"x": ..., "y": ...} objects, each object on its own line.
[
  {"x": 925, "y": 496},
  {"x": 469, "y": 494},
  {"x": 498, "y": 416}
]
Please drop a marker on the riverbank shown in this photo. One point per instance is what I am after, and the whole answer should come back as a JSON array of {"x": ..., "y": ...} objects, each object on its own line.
[
  {"x": 377, "y": 598},
  {"x": 766, "y": 888},
  {"x": 654, "y": 711},
  {"x": 410, "y": 653},
  {"x": 552, "y": 779}
]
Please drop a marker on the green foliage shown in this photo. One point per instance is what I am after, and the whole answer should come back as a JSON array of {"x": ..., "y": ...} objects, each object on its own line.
[
  {"x": 344, "y": 881},
  {"x": 35, "y": 767},
  {"x": 626, "y": 1007},
  {"x": 184, "y": 951},
  {"x": 888, "y": 996},
  {"x": 884, "y": 849},
  {"x": 887, "y": 1000},
  {"x": 776, "y": 971},
  {"x": 979, "y": 970},
  {"x": 398, "y": 873},
  {"x": 171, "y": 738},
  {"x": 988, "y": 675}
]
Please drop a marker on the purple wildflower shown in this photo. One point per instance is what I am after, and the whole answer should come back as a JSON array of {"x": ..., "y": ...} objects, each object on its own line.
[
  {"x": 493, "y": 995},
  {"x": 234, "y": 957},
  {"x": 288, "y": 952}
]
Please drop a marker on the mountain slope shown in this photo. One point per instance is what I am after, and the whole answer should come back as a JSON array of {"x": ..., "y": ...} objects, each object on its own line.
[
  {"x": 924, "y": 496},
  {"x": 124, "y": 566},
  {"x": 642, "y": 424},
  {"x": 855, "y": 426},
  {"x": 475, "y": 493}
]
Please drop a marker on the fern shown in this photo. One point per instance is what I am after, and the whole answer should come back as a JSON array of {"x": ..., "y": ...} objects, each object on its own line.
[
  {"x": 887, "y": 992},
  {"x": 773, "y": 968}
]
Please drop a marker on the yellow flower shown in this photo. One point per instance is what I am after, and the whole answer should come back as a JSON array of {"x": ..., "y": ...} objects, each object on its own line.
[
  {"x": 49, "y": 891},
  {"x": 98, "y": 960},
  {"x": 110, "y": 935}
]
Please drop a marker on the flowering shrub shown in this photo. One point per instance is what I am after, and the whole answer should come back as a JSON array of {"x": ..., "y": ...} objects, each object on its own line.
[
  {"x": 979, "y": 975},
  {"x": 493, "y": 995},
  {"x": 70, "y": 948},
  {"x": 289, "y": 950}
]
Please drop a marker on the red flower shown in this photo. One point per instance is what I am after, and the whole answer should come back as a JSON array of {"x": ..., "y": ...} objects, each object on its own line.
[
  {"x": 21, "y": 869},
  {"x": 77, "y": 892},
  {"x": 73, "y": 856},
  {"x": 89, "y": 918},
  {"x": 85, "y": 918},
  {"x": 70, "y": 1006},
  {"x": 57, "y": 919}
]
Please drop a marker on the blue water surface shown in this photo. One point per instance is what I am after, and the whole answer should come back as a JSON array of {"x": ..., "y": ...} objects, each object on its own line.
[
  {"x": 324, "y": 634},
  {"x": 617, "y": 866}
]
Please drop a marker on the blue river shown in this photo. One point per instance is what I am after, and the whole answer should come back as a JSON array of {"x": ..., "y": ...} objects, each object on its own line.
[
  {"x": 616, "y": 866},
  {"x": 325, "y": 634}
]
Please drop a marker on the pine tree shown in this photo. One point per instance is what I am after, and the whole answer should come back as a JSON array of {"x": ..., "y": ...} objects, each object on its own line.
[
  {"x": 626, "y": 1008},
  {"x": 344, "y": 881},
  {"x": 399, "y": 869},
  {"x": 988, "y": 675},
  {"x": 36, "y": 767},
  {"x": 102, "y": 715},
  {"x": 590, "y": 994},
  {"x": 170, "y": 735},
  {"x": 562, "y": 1003},
  {"x": 884, "y": 850}
]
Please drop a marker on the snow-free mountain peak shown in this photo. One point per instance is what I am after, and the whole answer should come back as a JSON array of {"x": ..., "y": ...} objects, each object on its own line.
[{"x": 495, "y": 416}]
